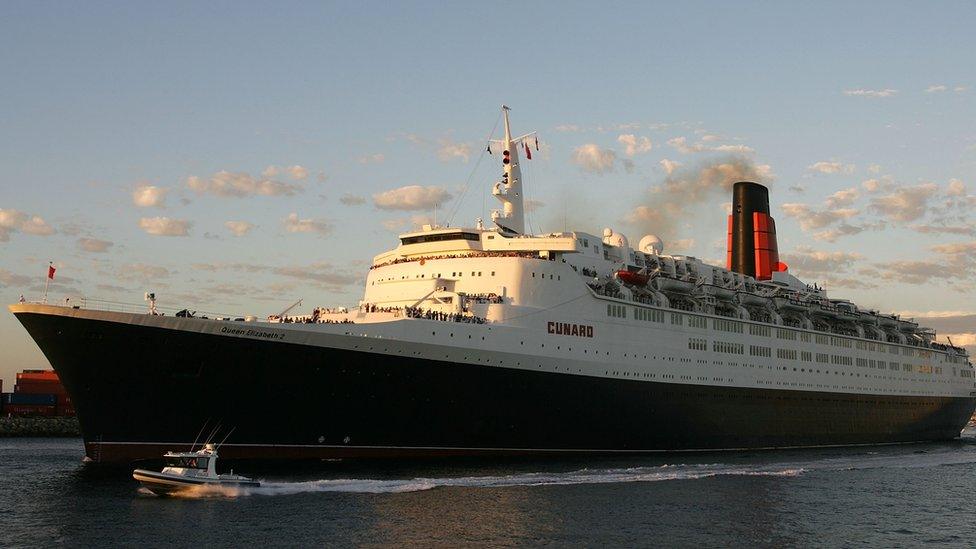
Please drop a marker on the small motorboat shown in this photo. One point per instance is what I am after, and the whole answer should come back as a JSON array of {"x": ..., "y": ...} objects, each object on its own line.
[{"x": 190, "y": 470}]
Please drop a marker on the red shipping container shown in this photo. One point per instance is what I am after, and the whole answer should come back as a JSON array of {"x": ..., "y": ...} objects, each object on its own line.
[{"x": 37, "y": 387}]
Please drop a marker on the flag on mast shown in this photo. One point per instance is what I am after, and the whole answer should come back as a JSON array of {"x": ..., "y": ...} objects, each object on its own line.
[
  {"x": 50, "y": 270},
  {"x": 528, "y": 152}
]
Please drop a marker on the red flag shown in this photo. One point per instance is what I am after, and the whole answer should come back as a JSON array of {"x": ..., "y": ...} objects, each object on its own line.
[
  {"x": 50, "y": 271},
  {"x": 528, "y": 152}
]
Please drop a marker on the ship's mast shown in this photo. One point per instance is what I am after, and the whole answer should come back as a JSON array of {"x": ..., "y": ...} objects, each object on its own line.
[{"x": 511, "y": 218}]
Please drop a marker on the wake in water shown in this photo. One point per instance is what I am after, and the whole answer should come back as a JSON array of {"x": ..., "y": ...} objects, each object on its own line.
[
  {"x": 582, "y": 476},
  {"x": 922, "y": 457}
]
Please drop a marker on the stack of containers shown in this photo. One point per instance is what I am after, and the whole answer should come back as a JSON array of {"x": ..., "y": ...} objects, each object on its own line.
[{"x": 39, "y": 392}]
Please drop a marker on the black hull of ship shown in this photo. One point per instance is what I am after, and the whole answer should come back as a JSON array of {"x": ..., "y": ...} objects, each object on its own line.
[{"x": 139, "y": 391}]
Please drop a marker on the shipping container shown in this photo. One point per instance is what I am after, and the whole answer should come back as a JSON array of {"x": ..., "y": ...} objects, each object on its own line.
[
  {"x": 30, "y": 399},
  {"x": 28, "y": 410},
  {"x": 38, "y": 387},
  {"x": 38, "y": 375}
]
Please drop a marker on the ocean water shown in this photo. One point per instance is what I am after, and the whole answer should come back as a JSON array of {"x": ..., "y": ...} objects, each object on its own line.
[{"x": 892, "y": 496}]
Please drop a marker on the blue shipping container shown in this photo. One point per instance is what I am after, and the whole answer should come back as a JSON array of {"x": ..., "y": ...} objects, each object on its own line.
[{"x": 30, "y": 399}]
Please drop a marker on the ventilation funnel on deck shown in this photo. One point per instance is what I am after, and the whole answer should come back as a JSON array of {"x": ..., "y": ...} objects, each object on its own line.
[{"x": 752, "y": 233}]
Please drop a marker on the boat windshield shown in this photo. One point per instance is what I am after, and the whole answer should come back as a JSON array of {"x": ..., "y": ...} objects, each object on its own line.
[{"x": 188, "y": 462}]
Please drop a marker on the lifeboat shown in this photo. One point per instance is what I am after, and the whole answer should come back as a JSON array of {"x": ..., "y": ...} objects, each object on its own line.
[{"x": 632, "y": 278}]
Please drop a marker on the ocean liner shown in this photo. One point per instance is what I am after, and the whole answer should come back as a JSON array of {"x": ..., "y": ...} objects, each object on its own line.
[{"x": 492, "y": 341}]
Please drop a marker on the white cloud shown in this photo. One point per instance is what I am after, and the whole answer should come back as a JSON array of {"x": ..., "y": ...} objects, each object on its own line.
[
  {"x": 270, "y": 171},
  {"x": 229, "y": 184},
  {"x": 94, "y": 245},
  {"x": 841, "y": 198},
  {"x": 297, "y": 172},
  {"x": 960, "y": 89},
  {"x": 377, "y": 158},
  {"x": 294, "y": 224},
  {"x": 708, "y": 138},
  {"x": 810, "y": 218},
  {"x": 591, "y": 158},
  {"x": 733, "y": 149},
  {"x": 239, "y": 228},
  {"x": 861, "y": 92},
  {"x": 936, "y": 88},
  {"x": 350, "y": 199},
  {"x": 149, "y": 196},
  {"x": 669, "y": 166},
  {"x": 568, "y": 128},
  {"x": 831, "y": 167},
  {"x": 905, "y": 203},
  {"x": 411, "y": 197},
  {"x": 164, "y": 226},
  {"x": 633, "y": 144},
  {"x": 142, "y": 271},
  {"x": 12, "y": 221},
  {"x": 448, "y": 150}
]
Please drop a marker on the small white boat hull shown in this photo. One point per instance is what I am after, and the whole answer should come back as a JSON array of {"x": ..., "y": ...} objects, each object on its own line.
[{"x": 164, "y": 484}]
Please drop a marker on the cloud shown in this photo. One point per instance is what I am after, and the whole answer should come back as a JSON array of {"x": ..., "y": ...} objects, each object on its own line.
[
  {"x": 94, "y": 245},
  {"x": 149, "y": 196},
  {"x": 831, "y": 167},
  {"x": 861, "y": 92},
  {"x": 591, "y": 158},
  {"x": 568, "y": 128},
  {"x": 811, "y": 218},
  {"x": 165, "y": 226},
  {"x": 297, "y": 172},
  {"x": 969, "y": 230},
  {"x": 633, "y": 144},
  {"x": 874, "y": 168},
  {"x": 448, "y": 150},
  {"x": 294, "y": 224},
  {"x": 874, "y": 185},
  {"x": 142, "y": 271},
  {"x": 967, "y": 248},
  {"x": 681, "y": 145},
  {"x": 936, "y": 88},
  {"x": 319, "y": 272},
  {"x": 239, "y": 228},
  {"x": 377, "y": 158},
  {"x": 809, "y": 262},
  {"x": 349, "y": 199},
  {"x": 12, "y": 221},
  {"x": 407, "y": 223},
  {"x": 411, "y": 197},
  {"x": 8, "y": 278},
  {"x": 841, "y": 198},
  {"x": 239, "y": 185},
  {"x": 904, "y": 203},
  {"x": 669, "y": 165},
  {"x": 914, "y": 272},
  {"x": 844, "y": 229},
  {"x": 270, "y": 171}
]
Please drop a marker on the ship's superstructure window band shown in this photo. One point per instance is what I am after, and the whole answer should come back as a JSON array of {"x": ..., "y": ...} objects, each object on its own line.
[{"x": 474, "y": 237}]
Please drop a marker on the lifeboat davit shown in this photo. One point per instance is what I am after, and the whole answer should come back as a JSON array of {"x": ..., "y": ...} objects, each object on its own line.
[{"x": 632, "y": 278}]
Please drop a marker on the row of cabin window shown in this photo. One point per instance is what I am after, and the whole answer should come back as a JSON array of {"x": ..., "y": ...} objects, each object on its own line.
[
  {"x": 727, "y": 347},
  {"x": 551, "y": 277},
  {"x": 697, "y": 344},
  {"x": 754, "y": 329},
  {"x": 648, "y": 315}
]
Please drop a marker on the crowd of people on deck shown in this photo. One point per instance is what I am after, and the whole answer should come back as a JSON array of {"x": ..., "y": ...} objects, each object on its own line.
[
  {"x": 417, "y": 312},
  {"x": 456, "y": 256}
]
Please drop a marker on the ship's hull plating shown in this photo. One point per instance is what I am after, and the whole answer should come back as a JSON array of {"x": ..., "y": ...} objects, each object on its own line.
[{"x": 141, "y": 390}]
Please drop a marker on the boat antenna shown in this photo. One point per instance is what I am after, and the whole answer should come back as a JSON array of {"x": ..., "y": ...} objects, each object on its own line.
[
  {"x": 212, "y": 434},
  {"x": 226, "y": 437},
  {"x": 194, "y": 445}
]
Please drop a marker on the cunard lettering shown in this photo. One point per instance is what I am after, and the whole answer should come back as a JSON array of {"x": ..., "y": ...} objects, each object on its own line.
[{"x": 569, "y": 329}]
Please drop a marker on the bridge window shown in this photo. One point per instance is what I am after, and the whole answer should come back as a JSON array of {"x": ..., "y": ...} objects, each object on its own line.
[{"x": 440, "y": 237}]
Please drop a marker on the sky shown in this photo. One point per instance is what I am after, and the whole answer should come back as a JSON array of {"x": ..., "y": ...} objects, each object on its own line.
[{"x": 235, "y": 158}]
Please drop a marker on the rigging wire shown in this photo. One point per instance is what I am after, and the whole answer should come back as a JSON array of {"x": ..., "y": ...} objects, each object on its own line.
[{"x": 467, "y": 183}]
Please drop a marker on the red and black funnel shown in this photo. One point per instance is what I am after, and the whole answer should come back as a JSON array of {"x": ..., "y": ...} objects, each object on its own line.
[{"x": 752, "y": 233}]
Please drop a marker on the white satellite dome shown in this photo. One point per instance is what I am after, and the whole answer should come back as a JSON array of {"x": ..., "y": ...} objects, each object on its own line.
[
  {"x": 651, "y": 244},
  {"x": 614, "y": 238}
]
